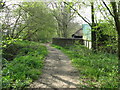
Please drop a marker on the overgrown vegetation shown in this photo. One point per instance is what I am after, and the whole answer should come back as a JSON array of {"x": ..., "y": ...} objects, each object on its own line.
[
  {"x": 106, "y": 38},
  {"x": 31, "y": 21},
  {"x": 41, "y": 21},
  {"x": 96, "y": 69},
  {"x": 22, "y": 63}
]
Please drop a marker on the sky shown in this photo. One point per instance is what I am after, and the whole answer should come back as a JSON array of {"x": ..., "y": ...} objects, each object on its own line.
[
  {"x": 84, "y": 11},
  {"x": 60, "y": 0}
]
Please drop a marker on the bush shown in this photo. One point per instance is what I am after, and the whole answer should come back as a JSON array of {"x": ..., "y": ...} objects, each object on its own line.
[{"x": 26, "y": 65}]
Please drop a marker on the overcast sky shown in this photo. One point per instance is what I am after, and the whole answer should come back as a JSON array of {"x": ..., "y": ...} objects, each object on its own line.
[{"x": 84, "y": 11}]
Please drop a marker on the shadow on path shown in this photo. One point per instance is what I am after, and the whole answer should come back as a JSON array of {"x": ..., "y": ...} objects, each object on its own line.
[{"x": 57, "y": 72}]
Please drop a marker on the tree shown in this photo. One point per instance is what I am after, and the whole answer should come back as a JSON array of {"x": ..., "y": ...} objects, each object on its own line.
[
  {"x": 116, "y": 15},
  {"x": 92, "y": 24},
  {"x": 24, "y": 21},
  {"x": 11, "y": 20},
  {"x": 117, "y": 23},
  {"x": 95, "y": 24},
  {"x": 63, "y": 15},
  {"x": 40, "y": 26},
  {"x": 93, "y": 32}
]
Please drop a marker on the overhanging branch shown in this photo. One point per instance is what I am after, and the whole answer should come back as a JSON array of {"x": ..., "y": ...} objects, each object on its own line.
[
  {"x": 107, "y": 8},
  {"x": 79, "y": 14}
]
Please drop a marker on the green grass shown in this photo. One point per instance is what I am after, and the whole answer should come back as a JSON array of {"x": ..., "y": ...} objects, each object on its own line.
[
  {"x": 96, "y": 69},
  {"x": 23, "y": 67}
]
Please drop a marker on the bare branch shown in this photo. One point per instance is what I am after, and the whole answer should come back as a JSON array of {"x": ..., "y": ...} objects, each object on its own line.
[
  {"x": 17, "y": 35},
  {"x": 14, "y": 27},
  {"x": 103, "y": 14},
  {"x": 79, "y": 14},
  {"x": 107, "y": 8}
]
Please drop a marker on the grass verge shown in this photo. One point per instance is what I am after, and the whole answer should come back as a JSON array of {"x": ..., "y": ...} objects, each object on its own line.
[
  {"x": 96, "y": 69},
  {"x": 22, "y": 63}
]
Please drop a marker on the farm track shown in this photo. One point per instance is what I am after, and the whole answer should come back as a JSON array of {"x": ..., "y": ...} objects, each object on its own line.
[{"x": 58, "y": 72}]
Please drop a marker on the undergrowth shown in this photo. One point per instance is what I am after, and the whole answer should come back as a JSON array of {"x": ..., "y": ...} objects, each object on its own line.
[
  {"x": 96, "y": 69},
  {"x": 22, "y": 63}
]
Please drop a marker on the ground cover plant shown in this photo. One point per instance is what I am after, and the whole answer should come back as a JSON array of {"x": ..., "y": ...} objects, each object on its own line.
[
  {"x": 96, "y": 69},
  {"x": 22, "y": 63}
]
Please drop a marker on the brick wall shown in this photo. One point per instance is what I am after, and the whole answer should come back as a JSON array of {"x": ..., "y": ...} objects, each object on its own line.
[{"x": 67, "y": 41}]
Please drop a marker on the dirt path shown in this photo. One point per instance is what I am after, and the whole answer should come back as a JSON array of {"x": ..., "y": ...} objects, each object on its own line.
[{"x": 57, "y": 72}]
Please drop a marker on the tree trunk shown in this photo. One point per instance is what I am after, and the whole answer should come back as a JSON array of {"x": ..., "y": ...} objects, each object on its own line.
[
  {"x": 59, "y": 31},
  {"x": 118, "y": 29},
  {"x": 65, "y": 33},
  {"x": 93, "y": 32},
  {"x": 119, "y": 32},
  {"x": 119, "y": 46},
  {"x": 117, "y": 24},
  {"x": 119, "y": 55}
]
